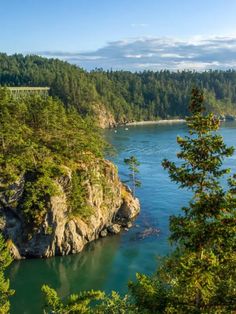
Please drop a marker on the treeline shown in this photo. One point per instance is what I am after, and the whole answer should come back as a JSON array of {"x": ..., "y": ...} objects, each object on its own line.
[{"x": 127, "y": 96}]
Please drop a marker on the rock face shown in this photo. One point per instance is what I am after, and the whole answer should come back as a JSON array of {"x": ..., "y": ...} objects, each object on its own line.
[
  {"x": 61, "y": 233},
  {"x": 105, "y": 119}
]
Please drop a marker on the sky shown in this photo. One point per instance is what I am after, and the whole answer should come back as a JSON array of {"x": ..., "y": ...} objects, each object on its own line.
[{"x": 133, "y": 35}]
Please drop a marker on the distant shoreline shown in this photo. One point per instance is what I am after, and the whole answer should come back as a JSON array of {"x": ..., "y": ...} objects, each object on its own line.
[{"x": 170, "y": 121}]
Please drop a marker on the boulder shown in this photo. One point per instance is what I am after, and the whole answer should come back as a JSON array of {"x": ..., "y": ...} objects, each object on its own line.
[
  {"x": 130, "y": 206},
  {"x": 114, "y": 229},
  {"x": 103, "y": 233}
]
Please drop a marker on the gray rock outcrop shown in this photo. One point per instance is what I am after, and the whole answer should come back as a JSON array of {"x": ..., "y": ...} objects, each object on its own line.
[{"x": 61, "y": 233}]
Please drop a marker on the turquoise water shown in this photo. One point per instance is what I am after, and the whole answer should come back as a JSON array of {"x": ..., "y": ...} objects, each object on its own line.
[{"x": 109, "y": 263}]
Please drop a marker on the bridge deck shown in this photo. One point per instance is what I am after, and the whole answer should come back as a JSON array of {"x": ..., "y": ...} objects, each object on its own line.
[
  {"x": 21, "y": 91},
  {"x": 26, "y": 88}
]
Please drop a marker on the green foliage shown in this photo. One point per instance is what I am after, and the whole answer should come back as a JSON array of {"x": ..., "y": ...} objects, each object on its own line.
[
  {"x": 115, "y": 304},
  {"x": 36, "y": 196},
  {"x": 87, "y": 302},
  {"x": 52, "y": 300},
  {"x": 200, "y": 275},
  {"x": 5, "y": 291},
  {"x": 205, "y": 234},
  {"x": 75, "y": 303},
  {"x": 78, "y": 196},
  {"x": 39, "y": 139},
  {"x": 133, "y": 164},
  {"x": 149, "y": 293}
]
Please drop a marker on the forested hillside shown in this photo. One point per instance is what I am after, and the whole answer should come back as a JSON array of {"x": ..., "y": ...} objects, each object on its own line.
[
  {"x": 57, "y": 192},
  {"x": 121, "y": 96},
  {"x": 40, "y": 140}
]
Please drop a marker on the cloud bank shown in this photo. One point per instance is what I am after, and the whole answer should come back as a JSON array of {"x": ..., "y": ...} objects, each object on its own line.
[{"x": 138, "y": 54}]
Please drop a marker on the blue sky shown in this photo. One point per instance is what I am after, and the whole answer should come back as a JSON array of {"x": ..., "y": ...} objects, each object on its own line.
[{"x": 128, "y": 34}]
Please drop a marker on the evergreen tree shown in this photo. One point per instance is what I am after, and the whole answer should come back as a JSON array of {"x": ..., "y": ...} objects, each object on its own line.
[
  {"x": 204, "y": 272},
  {"x": 133, "y": 164},
  {"x": 5, "y": 291},
  {"x": 200, "y": 275}
]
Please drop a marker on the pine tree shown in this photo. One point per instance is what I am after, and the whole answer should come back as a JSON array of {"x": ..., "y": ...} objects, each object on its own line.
[
  {"x": 203, "y": 272},
  {"x": 200, "y": 275},
  {"x": 133, "y": 164},
  {"x": 5, "y": 291}
]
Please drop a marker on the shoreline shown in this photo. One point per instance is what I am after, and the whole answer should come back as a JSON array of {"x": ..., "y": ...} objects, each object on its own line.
[{"x": 170, "y": 121}]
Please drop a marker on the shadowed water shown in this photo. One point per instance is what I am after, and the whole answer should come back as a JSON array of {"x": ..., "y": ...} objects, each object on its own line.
[{"x": 109, "y": 263}]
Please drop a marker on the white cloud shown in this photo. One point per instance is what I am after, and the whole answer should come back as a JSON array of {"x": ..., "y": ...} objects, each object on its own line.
[
  {"x": 145, "y": 55},
  {"x": 133, "y": 56},
  {"x": 198, "y": 66},
  {"x": 90, "y": 57},
  {"x": 197, "y": 53},
  {"x": 139, "y": 25},
  {"x": 171, "y": 55}
]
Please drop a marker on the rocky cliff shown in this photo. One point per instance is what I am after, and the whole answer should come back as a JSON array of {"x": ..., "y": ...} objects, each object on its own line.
[
  {"x": 63, "y": 231},
  {"x": 103, "y": 117},
  {"x": 106, "y": 119}
]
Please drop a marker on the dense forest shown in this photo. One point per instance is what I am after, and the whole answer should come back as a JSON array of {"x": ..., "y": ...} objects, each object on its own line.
[{"x": 124, "y": 95}]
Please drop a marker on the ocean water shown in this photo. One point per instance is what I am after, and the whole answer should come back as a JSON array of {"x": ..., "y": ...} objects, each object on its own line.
[{"x": 109, "y": 263}]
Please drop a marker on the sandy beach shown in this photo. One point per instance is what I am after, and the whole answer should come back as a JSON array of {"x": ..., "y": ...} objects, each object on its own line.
[{"x": 156, "y": 122}]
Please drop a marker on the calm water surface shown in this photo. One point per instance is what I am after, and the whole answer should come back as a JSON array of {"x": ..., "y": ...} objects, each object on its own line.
[{"x": 109, "y": 263}]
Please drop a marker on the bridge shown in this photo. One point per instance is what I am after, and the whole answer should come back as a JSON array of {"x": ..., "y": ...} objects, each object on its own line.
[{"x": 27, "y": 90}]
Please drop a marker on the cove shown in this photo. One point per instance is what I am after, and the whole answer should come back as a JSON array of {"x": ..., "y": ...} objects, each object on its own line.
[{"x": 109, "y": 263}]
